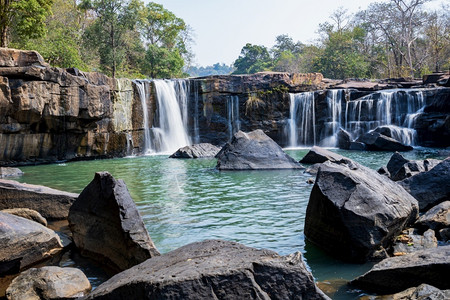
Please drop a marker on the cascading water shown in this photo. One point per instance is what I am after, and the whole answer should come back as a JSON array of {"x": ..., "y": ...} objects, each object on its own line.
[
  {"x": 143, "y": 90},
  {"x": 234, "y": 123},
  {"x": 196, "y": 128},
  {"x": 334, "y": 102},
  {"x": 302, "y": 131},
  {"x": 171, "y": 133}
]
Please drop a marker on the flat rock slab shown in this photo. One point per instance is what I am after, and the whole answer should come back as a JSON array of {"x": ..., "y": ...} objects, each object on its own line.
[
  {"x": 395, "y": 274},
  {"x": 50, "y": 203},
  {"x": 430, "y": 188},
  {"x": 107, "y": 226},
  {"x": 354, "y": 213},
  {"x": 320, "y": 155},
  {"x": 23, "y": 243},
  {"x": 49, "y": 283},
  {"x": 254, "y": 151},
  {"x": 203, "y": 150},
  {"x": 214, "y": 269},
  {"x": 27, "y": 213}
]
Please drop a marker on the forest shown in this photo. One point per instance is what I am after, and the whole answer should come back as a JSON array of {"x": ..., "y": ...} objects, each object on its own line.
[{"x": 128, "y": 38}]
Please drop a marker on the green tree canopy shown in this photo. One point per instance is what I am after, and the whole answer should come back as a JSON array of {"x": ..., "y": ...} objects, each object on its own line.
[{"x": 253, "y": 59}]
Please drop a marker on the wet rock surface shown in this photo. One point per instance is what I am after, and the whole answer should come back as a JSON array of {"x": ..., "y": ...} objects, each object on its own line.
[
  {"x": 214, "y": 269},
  {"x": 203, "y": 150},
  {"x": 375, "y": 141},
  {"x": 254, "y": 151},
  {"x": 107, "y": 226},
  {"x": 396, "y": 274},
  {"x": 50, "y": 203},
  {"x": 50, "y": 283},
  {"x": 354, "y": 213}
]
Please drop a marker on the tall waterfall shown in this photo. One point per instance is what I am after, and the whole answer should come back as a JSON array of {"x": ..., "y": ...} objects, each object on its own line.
[
  {"x": 171, "y": 132},
  {"x": 302, "y": 129},
  {"x": 334, "y": 102},
  {"x": 196, "y": 112},
  {"x": 234, "y": 123},
  {"x": 143, "y": 90}
]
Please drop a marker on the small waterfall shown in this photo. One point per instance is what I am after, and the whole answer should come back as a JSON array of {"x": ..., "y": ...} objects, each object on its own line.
[
  {"x": 334, "y": 101},
  {"x": 234, "y": 123},
  {"x": 302, "y": 131},
  {"x": 171, "y": 133},
  {"x": 143, "y": 91},
  {"x": 196, "y": 112}
]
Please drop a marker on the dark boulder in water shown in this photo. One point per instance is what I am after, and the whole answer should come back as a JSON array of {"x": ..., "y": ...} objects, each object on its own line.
[
  {"x": 343, "y": 139},
  {"x": 320, "y": 155},
  {"x": 375, "y": 141},
  {"x": 107, "y": 226},
  {"x": 254, "y": 151},
  {"x": 203, "y": 150},
  {"x": 214, "y": 269}
]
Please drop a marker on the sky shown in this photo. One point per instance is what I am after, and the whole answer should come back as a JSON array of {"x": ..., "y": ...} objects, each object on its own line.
[{"x": 222, "y": 27}]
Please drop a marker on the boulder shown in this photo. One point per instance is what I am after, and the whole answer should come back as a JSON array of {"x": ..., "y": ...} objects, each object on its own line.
[
  {"x": 437, "y": 218},
  {"x": 27, "y": 213},
  {"x": 444, "y": 234},
  {"x": 20, "y": 58},
  {"x": 383, "y": 171},
  {"x": 50, "y": 203},
  {"x": 49, "y": 283},
  {"x": 10, "y": 172},
  {"x": 430, "y": 188},
  {"x": 422, "y": 292},
  {"x": 357, "y": 146},
  {"x": 375, "y": 141},
  {"x": 343, "y": 139},
  {"x": 396, "y": 162},
  {"x": 24, "y": 243},
  {"x": 320, "y": 155},
  {"x": 411, "y": 241},
  {"x": 254, "y": 151},
  {"x": 203, "y": 150},
  {"x": 354, "y": 213},
  {"x": 401, "y": 168},
  {"x": 107, "y": 226},
  {"x": 395, "y": 274},
  {"x": 214, "y": 269}
]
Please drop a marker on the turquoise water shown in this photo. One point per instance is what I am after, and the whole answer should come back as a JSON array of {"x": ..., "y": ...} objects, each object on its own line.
[{"x": 183, "y": 201}]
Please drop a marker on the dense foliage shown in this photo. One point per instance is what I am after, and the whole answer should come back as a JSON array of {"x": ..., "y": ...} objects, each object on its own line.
[{"x": 391, "y": 38}]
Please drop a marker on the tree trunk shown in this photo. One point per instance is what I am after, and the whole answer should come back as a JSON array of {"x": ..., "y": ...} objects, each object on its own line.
[{"x": 4, "y": 37}]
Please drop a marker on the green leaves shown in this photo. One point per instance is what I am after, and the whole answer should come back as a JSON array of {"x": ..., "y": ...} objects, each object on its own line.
[{"x": 253, "y": 59}]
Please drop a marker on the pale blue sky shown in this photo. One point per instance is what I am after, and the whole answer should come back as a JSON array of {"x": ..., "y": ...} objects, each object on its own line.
[{"x": 223, "y": 27}]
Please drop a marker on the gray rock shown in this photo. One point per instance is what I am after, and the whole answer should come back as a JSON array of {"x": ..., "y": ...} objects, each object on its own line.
[
  {"x": 436, "y": 218},
  {"x": 27, "y": 213},
  {"x": 430, "y": 188},
  {"x": 444, "y": 234},
  {"x": 24, "y": 243},
  {"x": 313, "y": 169},
  {"x": 254, "y": 151},
  {"x": 422, "y": 292},
  {"x": 50, "y": 203},
  {"x": 357, "y": 146},
  {"x": 396, "y": 162},
  {"x": 343, "y": 139},
  {"x": 214, "y": 269},
  {"x": 395, "y": 274},
  {"x": 354, "y": 213},
  {"x": 383, "y": 171},
  {"x": 375, "y": 141},
  {"x": 203, "y": 150},
  {"x": 107, "y": 226},
  {"x": 320, "y": 155},
  {"x": 49, "y": 283},
  {"x": 411, "y": 241},
  {"x": 10, "y": 172},
  {"x": 401, "y": 168}
]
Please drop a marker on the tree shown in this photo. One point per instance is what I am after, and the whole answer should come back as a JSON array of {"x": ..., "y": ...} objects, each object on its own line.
[
  {"x": 253, "y": 59},
  {"x": 24, "y": 17},
  {"x": 437, "y": 31},
  {"x": 284, "y": 43}
]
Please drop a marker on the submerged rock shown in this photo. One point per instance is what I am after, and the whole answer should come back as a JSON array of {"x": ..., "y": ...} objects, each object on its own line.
[
  {"x": 396, "y": 274},
  {"x": 50, "y": 203},
  {"x": 214, "y": 269},
  {"x": 254, "y": 151},
  {"x": 27, "y": 213},
  {"x": 49, "y": 283},
  {"x": 10, "y": 172},
  {"x": 354, "y": 213},
  {"x": 107, "y": 226},
  {"x": 377, "y": 142},
  {"x": 203, "y": 150},
  {"x": 430, "y": 188},
  {"x": 320, "y": 155},
  {"x": 23, "y": 243}
]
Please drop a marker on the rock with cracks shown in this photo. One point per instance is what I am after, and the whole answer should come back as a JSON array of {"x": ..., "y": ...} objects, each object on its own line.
[
  {"x": 214, "y": 269},
  {"x": 430, "y": 188},
  {"x": 254, "y": 151},
  {"x": 107, "y": 226},
  {"x": 396, "y": 274},
  {"x": 401, "y": 168},
  {"x": 320, "y": 155},
  {"x": 203, "y": 150},
  {"x": 354, "y": 213},
  {"x": 50, "y": 203},
  {"x": 49, "y": 283}
]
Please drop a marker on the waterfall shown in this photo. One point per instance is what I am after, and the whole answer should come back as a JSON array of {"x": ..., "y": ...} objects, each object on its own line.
[
  {"x": 334, "y": 102},
  {"x": 142, "y": 87},
  {"x": 171, "y": 133},
  {"x": 234, "y": 123},
  {"x": 302, "y": 120},
  {"x": 196, "y": 129},
  {"x": 122, "y": 120}
]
